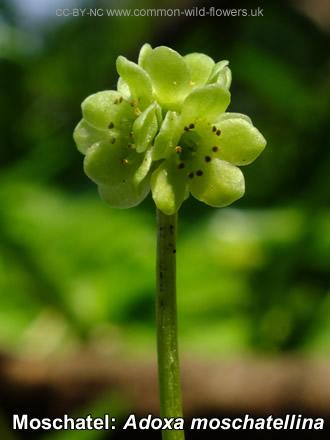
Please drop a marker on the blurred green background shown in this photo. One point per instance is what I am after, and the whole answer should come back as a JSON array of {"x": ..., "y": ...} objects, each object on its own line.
[{"x": 253, "y": 279}]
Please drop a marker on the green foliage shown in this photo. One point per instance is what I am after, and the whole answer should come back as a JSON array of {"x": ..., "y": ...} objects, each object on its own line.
[{"x": 63, "y": 283}]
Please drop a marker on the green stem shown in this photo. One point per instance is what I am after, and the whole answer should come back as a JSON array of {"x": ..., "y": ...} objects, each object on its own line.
[{"x": 166, "y": 315}]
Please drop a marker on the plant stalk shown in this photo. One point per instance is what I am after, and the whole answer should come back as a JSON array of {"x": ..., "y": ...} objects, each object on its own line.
[{"x": 166, "y": 316}]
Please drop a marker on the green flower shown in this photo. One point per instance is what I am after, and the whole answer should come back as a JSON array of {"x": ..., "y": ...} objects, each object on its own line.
[{"x": 166, "y": 127}]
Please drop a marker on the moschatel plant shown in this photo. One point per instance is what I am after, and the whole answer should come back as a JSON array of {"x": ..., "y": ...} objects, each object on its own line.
[{"x": 166, "y": 128}]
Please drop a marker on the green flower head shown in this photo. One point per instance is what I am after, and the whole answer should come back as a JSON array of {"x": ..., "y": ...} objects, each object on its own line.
[{"x": 166, "y": 128}]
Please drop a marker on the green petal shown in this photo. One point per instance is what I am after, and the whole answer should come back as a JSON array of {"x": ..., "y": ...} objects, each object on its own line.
[
  {"x": 205, "y": 103},
  {"x": 144, "y": 168},
  {"x": 123, "y": 88},
  {"x": 158, "y": 113},
  {"x": 109, "y": 163},
  {"x": 145, "y": 50},
  {"x": 108, "y": 107},
  {"x": 125, "y": 194},
  {"x": 219, "y": 184},
  {"x": 168, "y": 136},
  {"x": 229, "y": 115},
  {"x": 240, "y": 142},
  {"x": 85, "y": 135},
  {"x": 217, "y": 68},
  {"x": 200, "y": 68},
  {"x": 224, "y": 78},
  {"x": 145, "y": 128},
  {"x": 210, "y": 133},
  {"x": 137, "y": 80},
  {"x": 169, "y": 187},
  {"x": 221, "y": 74},
  {"x": 169, "y": 74}
]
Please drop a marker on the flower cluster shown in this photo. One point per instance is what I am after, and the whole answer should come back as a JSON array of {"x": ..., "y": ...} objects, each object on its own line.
[{"x": 165, "y": 127}]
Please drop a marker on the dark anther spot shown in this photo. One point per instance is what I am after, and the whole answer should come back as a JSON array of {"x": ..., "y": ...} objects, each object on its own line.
[
  {"x": 181, "y": 165},
  {"x": 199, "y": 173},
  {"x": 192, "y": 126},
  {"x": 207, "y": 159},
  {"x": 215, "y": 148},
  {"x": 243, "y": 160},
  {"x": 131, "y": 134},
  {"x": 174, "y": 251},
  {"x": 121, "y": 100},
  {"x": 129, "y": 146},
  {"x": 191, "y": 175},
  {"x": 133, "y": 103},
  {"x": 186, "y": 128},
  {"x": 115, "y": 101},
  {"x": 113, "y": 140},
  {"x": 111, "y": 125},
  {"x": 218, "y": 132},
  {"x": 214, "y": 128}
]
